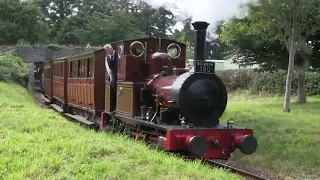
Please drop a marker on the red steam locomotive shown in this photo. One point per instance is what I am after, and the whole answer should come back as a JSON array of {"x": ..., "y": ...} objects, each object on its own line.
[{"x": 156, "y": 98}]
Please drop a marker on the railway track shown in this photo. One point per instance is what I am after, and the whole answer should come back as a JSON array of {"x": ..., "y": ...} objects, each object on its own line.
[{"x": 243, "y": 173}]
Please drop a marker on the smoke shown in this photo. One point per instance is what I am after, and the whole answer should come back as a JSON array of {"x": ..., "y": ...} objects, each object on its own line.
[{"x": 210, "y": 11}]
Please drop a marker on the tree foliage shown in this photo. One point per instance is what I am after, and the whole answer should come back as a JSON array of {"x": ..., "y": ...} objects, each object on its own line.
[
  {"x": 278, "y": 30},
  {"x": 81, "y": 22},
  {"x": 21, "y": 20},
  {"x": 215, "y": 48},
  {"x": 12, "y": 67}
]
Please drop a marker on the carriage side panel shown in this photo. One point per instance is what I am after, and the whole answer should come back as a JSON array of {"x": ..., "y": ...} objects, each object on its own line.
[{"x": 99, "y": 81}]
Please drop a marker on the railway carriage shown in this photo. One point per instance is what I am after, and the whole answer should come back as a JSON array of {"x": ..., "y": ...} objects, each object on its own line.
[
  {"x": 59, "y": 82},
  {"x": 156, "y": 97},
  {"x": 86, "y": 85},
  {"x": 47, "y": 81}
]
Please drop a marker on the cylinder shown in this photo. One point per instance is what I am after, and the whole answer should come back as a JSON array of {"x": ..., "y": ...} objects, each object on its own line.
[{"x": 200, "y": 28}]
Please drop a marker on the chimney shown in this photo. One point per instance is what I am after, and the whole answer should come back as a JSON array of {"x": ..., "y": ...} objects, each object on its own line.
[{"x": 200, "y": 28}]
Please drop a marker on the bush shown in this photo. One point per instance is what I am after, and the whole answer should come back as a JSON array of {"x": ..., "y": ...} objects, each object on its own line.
[
  {"x": 12, "y": 67},
  {"x": 236, "y": 79},
  {"x": 267, "y": 82}
]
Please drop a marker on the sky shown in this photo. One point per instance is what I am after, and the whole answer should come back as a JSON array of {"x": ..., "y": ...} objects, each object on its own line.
[{"x": 203, "y": 10}]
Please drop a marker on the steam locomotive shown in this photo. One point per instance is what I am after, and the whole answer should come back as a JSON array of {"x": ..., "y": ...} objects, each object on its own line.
[{"x": 156, "y": 97}]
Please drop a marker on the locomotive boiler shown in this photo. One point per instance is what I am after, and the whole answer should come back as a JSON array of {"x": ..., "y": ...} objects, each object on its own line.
[{"x": 197, "y": 97}]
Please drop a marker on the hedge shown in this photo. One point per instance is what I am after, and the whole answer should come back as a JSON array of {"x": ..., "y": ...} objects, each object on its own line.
[
  {"x": 12, "y": 68},
  {"x": 267, "y": 82}
]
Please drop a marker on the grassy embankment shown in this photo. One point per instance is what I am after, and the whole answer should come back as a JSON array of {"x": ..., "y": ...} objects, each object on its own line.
[
  {"x": 37, "y": 143},
  {"x": 288, "y": 143}
]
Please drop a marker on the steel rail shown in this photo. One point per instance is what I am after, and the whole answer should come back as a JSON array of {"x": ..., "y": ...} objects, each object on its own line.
[{"x": 235, "y": 170}]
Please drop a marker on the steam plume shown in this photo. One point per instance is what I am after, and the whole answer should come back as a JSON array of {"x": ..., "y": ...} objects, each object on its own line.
[{"x": 211, "y": 11}]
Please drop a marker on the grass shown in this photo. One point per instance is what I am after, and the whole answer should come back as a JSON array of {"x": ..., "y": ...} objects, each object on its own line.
[
  {"x": 288, "y": 143},
  {"x": 37, "y": 143}
]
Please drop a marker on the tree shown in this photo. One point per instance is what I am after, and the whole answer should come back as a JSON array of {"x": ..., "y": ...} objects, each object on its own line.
[
  {"x": 56, "y": 11},
  {"x": 291, "y": 23},
  {"x": 153, "y": 22},
  {"x": 189, "y": 49},
  {"x": 215, "y": 48},
  {"x": 248, "y": 48},
  {"x": 21, "y": 21}
]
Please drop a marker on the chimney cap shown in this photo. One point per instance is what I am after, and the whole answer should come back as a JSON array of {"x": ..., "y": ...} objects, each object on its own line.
[{"x": 200, "y": 25}]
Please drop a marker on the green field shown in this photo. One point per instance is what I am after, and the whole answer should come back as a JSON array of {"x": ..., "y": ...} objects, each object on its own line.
[
  {"x": 288, "y": 143},
  {"x": 37, "y": 144}
]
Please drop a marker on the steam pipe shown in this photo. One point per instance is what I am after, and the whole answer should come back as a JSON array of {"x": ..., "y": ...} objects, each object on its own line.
[{"x": 200, "y": 28}]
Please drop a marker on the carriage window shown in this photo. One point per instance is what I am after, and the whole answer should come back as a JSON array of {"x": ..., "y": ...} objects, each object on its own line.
[
  {"x": 81, "y": 68},
  {"x": 84, "y": 68},
  {"x": 84, "y": 61},
  {"x": 88, "y": 68},
  {"x": 92, "y": 67},
  {"x": 61, "y": 68},
  {"x": 83, "y": 64},
  {"x": 73, "y": 69},
  {"x": 70, "y": 69},
  {"x": 78, "y": 68}
]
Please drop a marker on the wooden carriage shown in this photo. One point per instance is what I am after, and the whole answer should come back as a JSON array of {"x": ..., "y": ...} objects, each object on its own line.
[
  {"x": 59, "y": 82},
  {"x": 47, "y": 80},
  {"x": 86, "y": 82}
]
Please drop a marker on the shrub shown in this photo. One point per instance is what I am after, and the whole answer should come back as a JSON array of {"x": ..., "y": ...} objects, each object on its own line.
[
  {"x": 267, "y": 82},
  {"x": 313, "y": 83},
  {"x": 12, "y": 67},
  {"x": 236, "y": 79}
]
